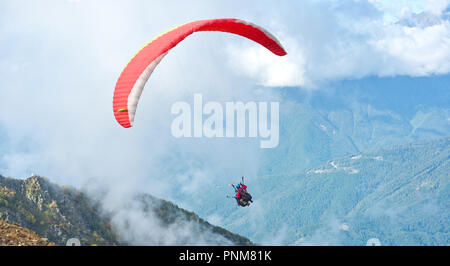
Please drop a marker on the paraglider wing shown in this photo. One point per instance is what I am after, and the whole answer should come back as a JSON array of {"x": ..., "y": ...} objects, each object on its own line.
[{"x": 132, "y": 80}]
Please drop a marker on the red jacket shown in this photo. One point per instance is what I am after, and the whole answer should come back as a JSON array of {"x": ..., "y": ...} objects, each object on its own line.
[
  {"x": 242, "y": 187},
  {"x": 238, "y": 195}
]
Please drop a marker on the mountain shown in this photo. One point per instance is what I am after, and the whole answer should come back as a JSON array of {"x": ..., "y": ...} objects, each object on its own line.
[
  {"x": 54, "y": 212},
  {"x": 355, "y": 116},
  {"x": 15, "y": 235},
  {"x": 200, "y": 232},
  {"x": 59, "y": 213},
  {"x": 316, "y": 127},
  {"x": 399, "y": 194}
]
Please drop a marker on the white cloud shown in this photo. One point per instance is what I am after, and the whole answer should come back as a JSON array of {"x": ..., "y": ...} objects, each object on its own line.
[
  {"x": 269, "y": 69},
  {"x": 352, "y": 39},
  {"x": 414, "y": 51},
  {"x": 56, "y": 111},
  {"x": 436, "y": 7},
  {"x": 59, "y": 64}
]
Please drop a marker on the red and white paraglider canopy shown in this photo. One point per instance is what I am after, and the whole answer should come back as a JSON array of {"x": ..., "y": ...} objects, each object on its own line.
[{"x": 132, "y": 80}]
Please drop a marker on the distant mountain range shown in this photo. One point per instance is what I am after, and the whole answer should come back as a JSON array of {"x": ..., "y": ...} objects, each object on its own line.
[
  {"x": 356, "y": 116},
  {"x": 313, "y": 181},
  {"x": 400, "y": 195},
  {"x": 362, "y": 159},
  {"x": 58, "y": 213}
]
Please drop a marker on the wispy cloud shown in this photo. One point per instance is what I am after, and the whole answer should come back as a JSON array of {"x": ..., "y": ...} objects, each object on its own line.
[
  {"x": 59, "y": 62},
  {"x": 330, "y": 40}
]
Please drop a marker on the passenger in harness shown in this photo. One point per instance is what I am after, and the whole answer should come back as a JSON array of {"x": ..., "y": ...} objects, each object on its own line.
[{"x": 243, "y": 198}]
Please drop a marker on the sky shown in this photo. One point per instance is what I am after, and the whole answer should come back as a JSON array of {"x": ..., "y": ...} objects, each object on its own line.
[{"x": 60, "y": 59}]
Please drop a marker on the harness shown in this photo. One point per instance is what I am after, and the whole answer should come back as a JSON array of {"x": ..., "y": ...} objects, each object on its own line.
[{"x": 245, "y": 197}]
